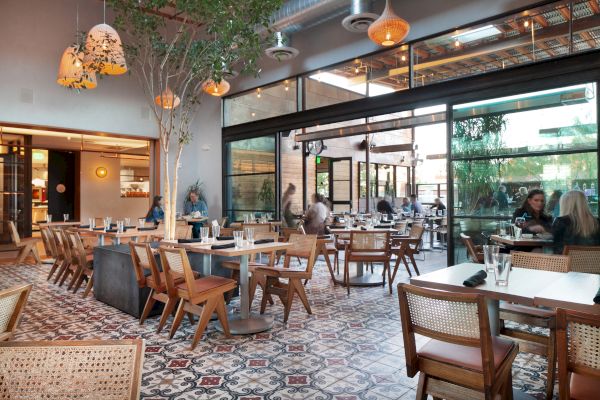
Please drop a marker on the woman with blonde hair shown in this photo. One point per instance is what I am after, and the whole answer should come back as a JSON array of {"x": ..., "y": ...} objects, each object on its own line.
[{"x": 576, "y": 224}]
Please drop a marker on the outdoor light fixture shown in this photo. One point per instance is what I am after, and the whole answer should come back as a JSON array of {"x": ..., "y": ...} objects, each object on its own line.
[
  {"x": 104, "y": 50},
  {"x": 167, "y": 100},
  {"x": 101, "y": 172},
  {"x": 389, "y": 29},
  {"x": 216, "y": 89}
]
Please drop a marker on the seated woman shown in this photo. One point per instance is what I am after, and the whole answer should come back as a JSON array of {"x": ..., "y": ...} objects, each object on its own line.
[
  {"x": 576, "y": 224},
  {"x": 316, "y": 216},
  {"x": 155, "y": 213},
  {"x": 532, "y": 210}
]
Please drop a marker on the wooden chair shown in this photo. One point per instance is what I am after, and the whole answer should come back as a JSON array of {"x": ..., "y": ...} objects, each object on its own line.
[
  {"x": 61, "y": 369},
  {"x": 183, "y": 231},
  {"x": 61, "y": 255},
  {"x": 23, "y": 246},
  {"x": 584, "y": 258},
  {"x": 12, "y": 304},
  {"x": 462, "y": 360},
  {"x": 49, "y": 249},
  {"x": 475, "y": 252},
  {"x": 53, "y": 249},
  {"x": 206, "y": 291},
  {"x": 532, "y": 342},
  {"x": 367, "y": 247},
  {"x": 258, "y": 227},
  {"x": 222, "y": 222},
  {"x": 578, "y": 342},
  {"x": 70, "y": 267},
  {"x": 326, "y": 247},
  {"x": 303, "y": 247},
  {"x": 405, "y": 248},
  {"x": 83, "y": 264}
]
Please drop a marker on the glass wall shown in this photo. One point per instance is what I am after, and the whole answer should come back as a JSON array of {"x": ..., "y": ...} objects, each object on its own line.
[
  {"x": 250, "y": 177},
  {"x": 502, "y": 148}
]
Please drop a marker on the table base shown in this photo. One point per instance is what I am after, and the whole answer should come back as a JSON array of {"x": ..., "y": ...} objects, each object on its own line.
[
  {"x": 361, "y": 280},
  {"x": 254, "y": 324}
]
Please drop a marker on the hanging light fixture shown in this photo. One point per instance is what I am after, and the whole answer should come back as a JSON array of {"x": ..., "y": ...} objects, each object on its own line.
[
  {"x": 216, "y": 89},
  {"x": 71, "y": 71},
  {"x": 104, "y": 50},
  {"x": 389, "y": 29},
  {"x": 167, "y": 100}
]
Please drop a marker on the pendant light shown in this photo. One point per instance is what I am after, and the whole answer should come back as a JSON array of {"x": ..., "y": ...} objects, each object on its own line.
[
  {"x": 104, "y": 50},
  {"x": 389, "y": 29},
  {"x": 216, "y": 89},
  {"x": 167, "y": 100},
  {"x": 71, "y": 71}
]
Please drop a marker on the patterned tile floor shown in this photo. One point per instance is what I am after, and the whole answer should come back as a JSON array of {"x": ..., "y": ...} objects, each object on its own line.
[{"x": 349, "y": 348}]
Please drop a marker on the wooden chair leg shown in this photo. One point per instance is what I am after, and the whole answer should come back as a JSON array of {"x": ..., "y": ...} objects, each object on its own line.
[
  {"x": 191, "y": 318},
  {"x": 207, "y": 312},
  {"x": 421, "y": 392},
  {"x": 301, "y": 293},
  {"x": 178, "y": 318},
  {"x": 89, "y": 286},
  {"x": 66, "y": 274},
  {"x": 61, "y": 270},
  {"x": 222, "y": 315},
  {"x": 347, "y": 276},
  {"x": 36, "y": 254},
  {"x": 508, "y": 389},
  {"x": 148, "y": 307},
  {"x": 22, "y": 254},
  {"x": 551, "y": 355},
  {"x": 169, "y": 307},
  {"x": 53, "y": 268},
  {"x": 389, "y": 271},
  {"x": 414, "y": 263},
  {"x": 78, "y": 274},
  {"x": 288, "y": 301},
  {"x": 266, "y": 294},
  {"x": 79, "y": 282}
]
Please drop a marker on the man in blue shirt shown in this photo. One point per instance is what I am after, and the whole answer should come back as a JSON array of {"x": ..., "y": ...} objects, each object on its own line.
[{"x": 192, "y": 205}]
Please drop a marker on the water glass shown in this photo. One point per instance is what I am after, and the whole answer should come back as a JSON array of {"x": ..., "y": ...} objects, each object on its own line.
[
  {"x": 517, "y": 232},
  {"x": 246, "y": 218},
  {"x": 92, "y": 222},
  {"x": 65, "y": 217},
  {"x": 108, "y": 220},
  {"x": 250, "y": 235},
  {"x": 502, "y": 269},
  {"x": 127, "y": 222},
  {"x": 49, "y": 218},
  {"x": 490, "y": 253},
  {"x": 141, "y": 222},
  {"x": 204, "y": 234},
  {"x": 238, "y": 239},
  {"x": 216, "y": 230},
  {"x": 120, "y": 226}
]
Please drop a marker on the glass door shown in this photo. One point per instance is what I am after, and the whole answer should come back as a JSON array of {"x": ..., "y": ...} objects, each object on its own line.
[
  {"x": 341, "y": 184},
  {"x": 14, "y": 173}
]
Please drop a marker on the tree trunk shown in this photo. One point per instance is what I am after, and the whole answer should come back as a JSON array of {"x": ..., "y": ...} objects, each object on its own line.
[
  {"x": 169, "y": 232},
  {"x": 174, "y": 192}
]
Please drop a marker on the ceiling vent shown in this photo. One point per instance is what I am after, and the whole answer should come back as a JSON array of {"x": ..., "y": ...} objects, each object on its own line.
[
  {"x": 280, "y": 50},
  {"x": 360, "y": 17}
]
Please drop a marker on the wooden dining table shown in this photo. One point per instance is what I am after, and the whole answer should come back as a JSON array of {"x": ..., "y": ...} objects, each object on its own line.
[
  {"x": 57, "y": 224},
  {"x": 522, "y": 242},
  {"x": 131, "y": 233},
  {"x": 244, "y": 323}
]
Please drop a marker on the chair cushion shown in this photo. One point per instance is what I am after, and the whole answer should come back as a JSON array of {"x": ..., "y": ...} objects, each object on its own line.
[
  {"x": 207, "y": 283},
  {"x": 464, "y": 356},
  {"x": 584, "y": 387},
  {"x": 527, "y": 310}
]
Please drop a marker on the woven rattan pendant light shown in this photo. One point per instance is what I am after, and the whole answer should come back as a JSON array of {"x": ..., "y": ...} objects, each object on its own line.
[
  {"x": 104, "y": 50},
  {"x": 167, "y": 100},
  {"x": 72, "y": 73},
  {"x": 389, "y": 29},
  {"x": 216, "y": 89}
]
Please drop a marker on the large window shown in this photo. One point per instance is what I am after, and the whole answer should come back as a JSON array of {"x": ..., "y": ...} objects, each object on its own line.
[
  {"x": 384, "y": 180},
  {"x": 502, "y": 148},
  {"x": 250, "y": 177}
]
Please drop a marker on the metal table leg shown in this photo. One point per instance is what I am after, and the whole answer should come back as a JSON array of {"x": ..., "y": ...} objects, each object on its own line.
[{"x": 101, "y": 240}]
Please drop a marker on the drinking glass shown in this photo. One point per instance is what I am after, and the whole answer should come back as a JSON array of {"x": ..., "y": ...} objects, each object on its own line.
[
  {"x": 490, "y": 253},
  {"x": 246, "y": 218},
  {"x": 141, "y": 222},
  {"x": 127, "y": 222},
  {"x": 204, "y": 234},
  {"x": 108, "y": 220},
  {"x": 502, "y": 269},
  {"x": 92, "y": 223},
  {"x": 216, "y": 230},
  {"x": 49, "y": 218},
  {"x": 238, "y": 239},
  {"x": 250, "y": 235},
  {"x": 502, "y": 228},
  {"x": 120, "y": 226},
  {"x": 517, "y": 232},
  {"x": 65, "y": 217},
  {"x": 519, "y": 221}
]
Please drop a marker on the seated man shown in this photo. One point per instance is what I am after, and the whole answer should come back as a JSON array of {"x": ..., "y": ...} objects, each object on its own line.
[{"x": 195, "y": 204}]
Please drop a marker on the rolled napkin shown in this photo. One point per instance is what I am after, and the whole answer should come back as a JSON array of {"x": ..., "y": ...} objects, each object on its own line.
[
  {"x": 262, "y": 241},
  {"x": 99, "y": 228},
  {"x": 476, "y": 279},
  {"x": 323, "y": 237},
  {"x": 42, "y": 222},
  {"x": 197, "y": 240},
  {"x": 151, "y": 228},
  {"x": 84, "y": 226},
  {"x": 224, "y": 237},
  {"x": 362, "y": 228},
  {"x": 222, "y": 246},
  {"x": 130, "y": 227},
  {"x": 597, "y": 297},
  {"x": 111, "y": 230},
  {"x": 382, "y": 226}
]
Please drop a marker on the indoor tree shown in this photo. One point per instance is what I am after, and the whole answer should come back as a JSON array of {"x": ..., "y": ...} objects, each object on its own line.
[{"x": 176, "y": 58}]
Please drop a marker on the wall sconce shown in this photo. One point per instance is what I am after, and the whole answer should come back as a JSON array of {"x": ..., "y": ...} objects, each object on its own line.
[{"x": 101, "y": 172}]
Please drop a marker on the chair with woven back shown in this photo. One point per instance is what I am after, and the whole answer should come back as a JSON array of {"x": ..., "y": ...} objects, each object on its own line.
[
  {"x": 72, "y": 369},
  {"x": 71, "y": 256},
  {"x": 258, "y": 227},
  {"x": 12, "y": 304},
  {"x": 303, "y": 247},
  {"x": 23, "y": 246},
  {"x": 83, "y": 263},
  {"x": 530, "y": 341},
  {"x": 475, "y": 252},
  {"x": 367, "y": 247},
  {"x": 584, "y": 258},
  {"x": 234, "y": 266},
  {"x": 207, "y": 291},
  {"x": 183, "y": 231},
  {"x": 578, "y": 347},
  {"x": 462, "y": 360},
  {"x": 142, "y": 257},
  {"x": 49, "y": 248},
  {"x": 61, "y": 257}
]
